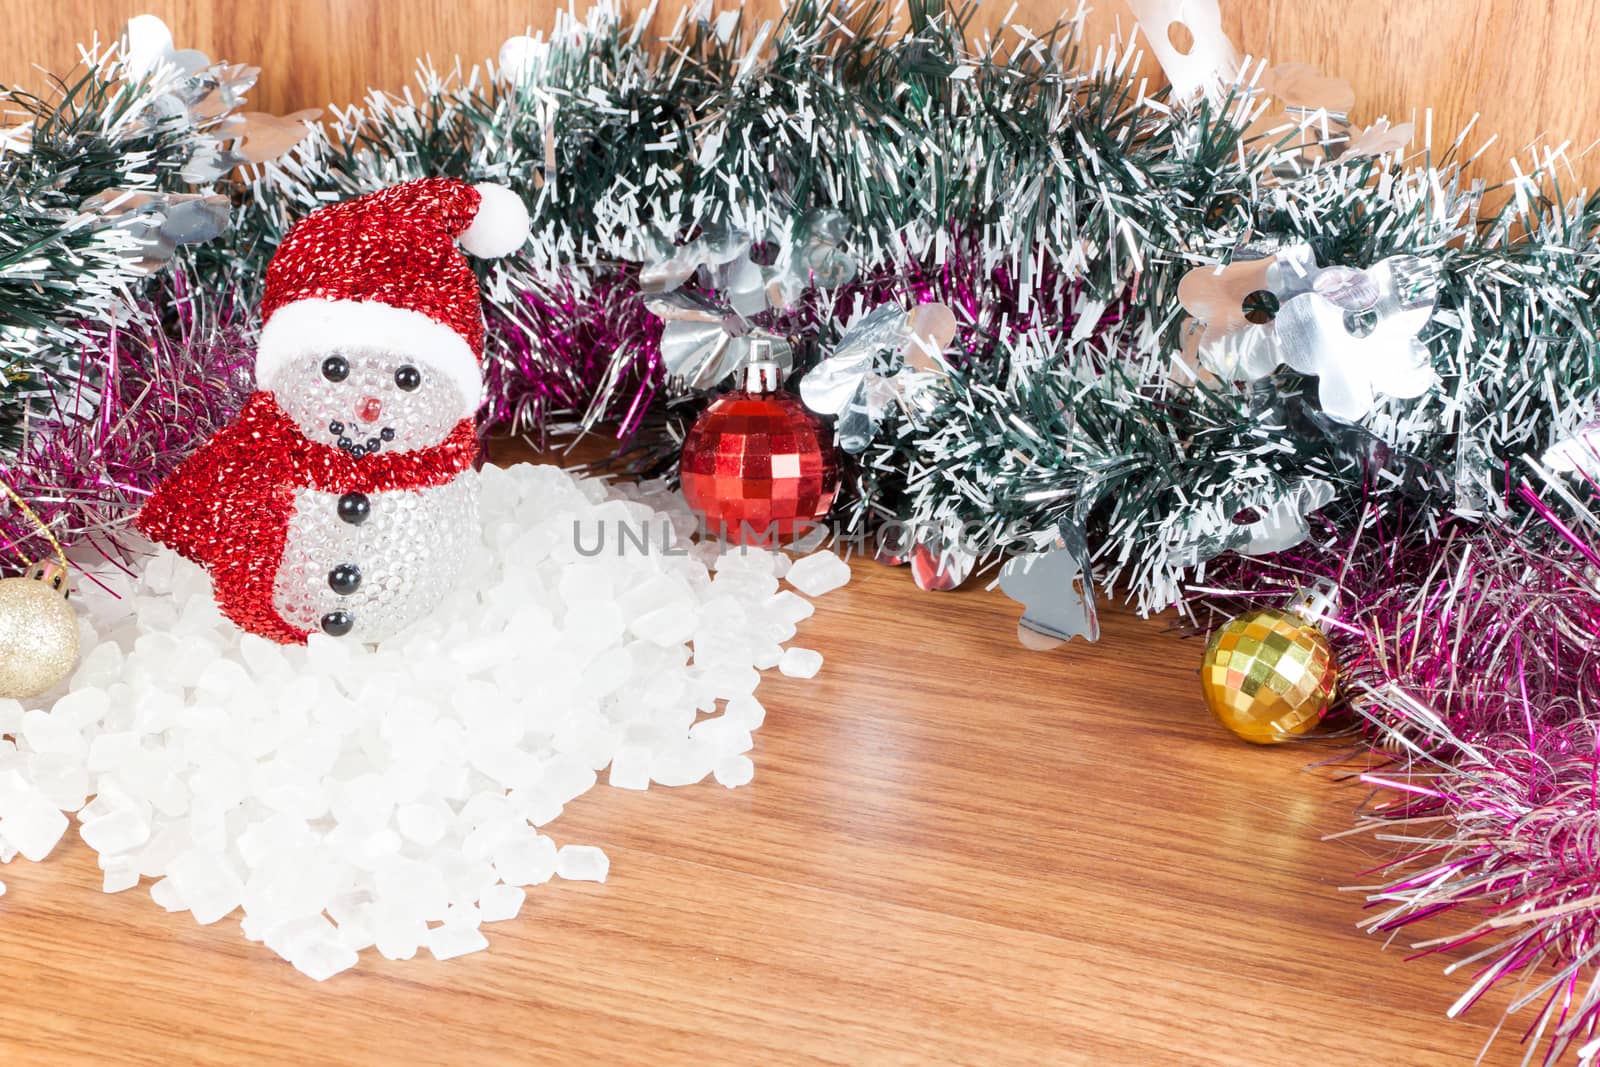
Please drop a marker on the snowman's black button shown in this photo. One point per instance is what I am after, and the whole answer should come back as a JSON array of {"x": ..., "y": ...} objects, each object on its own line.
[
  {"x": 336, "y": 427},
  {"x": 373, "y": 444},
  {"x": 345, "y": 579},
  {"x": 337, "y": 623},
  {"x": 388, "y": 433},
  {"x": 355, "y": 508}
]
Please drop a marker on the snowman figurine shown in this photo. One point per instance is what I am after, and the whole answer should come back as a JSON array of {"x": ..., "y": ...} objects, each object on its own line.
[{"x": 344, "y": 496}]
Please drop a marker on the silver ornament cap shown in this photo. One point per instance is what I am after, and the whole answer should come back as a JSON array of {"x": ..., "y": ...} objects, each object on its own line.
[{"x": 762, "y": 373}]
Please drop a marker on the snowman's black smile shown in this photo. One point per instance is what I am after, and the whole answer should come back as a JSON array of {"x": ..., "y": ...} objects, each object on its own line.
[{"x": 348, "y": 438}]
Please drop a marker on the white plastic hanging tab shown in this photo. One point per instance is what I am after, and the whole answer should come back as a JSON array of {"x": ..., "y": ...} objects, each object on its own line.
[{"x": 1186, "y": 37}]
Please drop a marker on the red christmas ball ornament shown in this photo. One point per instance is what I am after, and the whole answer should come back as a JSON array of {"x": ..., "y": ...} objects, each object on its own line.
[
  {"x": 757, "y": 463},
  {"x": 938, "y": 567}
]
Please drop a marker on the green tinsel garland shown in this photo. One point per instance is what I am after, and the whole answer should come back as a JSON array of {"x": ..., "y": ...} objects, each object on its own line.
[
  {"x": 70, "y": 263},
  {"x": 1051, "y": 173}
]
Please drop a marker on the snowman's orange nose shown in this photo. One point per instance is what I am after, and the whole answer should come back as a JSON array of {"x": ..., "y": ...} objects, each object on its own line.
[{"x": 369, "y": 409}]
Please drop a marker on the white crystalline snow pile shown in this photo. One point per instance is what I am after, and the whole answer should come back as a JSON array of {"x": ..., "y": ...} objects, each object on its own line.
[{"x": 341, "y": 797}]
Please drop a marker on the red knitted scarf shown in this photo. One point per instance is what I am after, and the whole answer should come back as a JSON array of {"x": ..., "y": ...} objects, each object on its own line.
[{"x": 228, "y": 506}]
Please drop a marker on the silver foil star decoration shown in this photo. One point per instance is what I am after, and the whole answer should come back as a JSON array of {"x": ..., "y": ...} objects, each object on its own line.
[
  {"x": 191, "y": 90},
  {"x": 1190, "y": 44},
  {"x": 1055, "y": 587},
  {"x": 1308, "y": 121},
  {"x": 160, "y": 222},
  {"x": 704, "y": 339},
  {"x": 668, "y": 266},
  {"x": 1357, "y": 331},
  {"x": 148, "y": 49},
  {"x": 1231, "y": 310},
  {"x": 888, "y": 356},
  {"x": 709, "y": 331},
  {"x": 814, "y": 252}
]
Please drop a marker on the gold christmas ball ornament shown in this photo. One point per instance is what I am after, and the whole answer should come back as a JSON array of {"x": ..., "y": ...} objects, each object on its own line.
[
  {"x": 38, "y": 631},
  {"x": 1268, "y": 675}
]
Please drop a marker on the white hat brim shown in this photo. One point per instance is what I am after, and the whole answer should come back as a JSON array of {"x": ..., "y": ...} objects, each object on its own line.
[{"x": 326, "y": 326}]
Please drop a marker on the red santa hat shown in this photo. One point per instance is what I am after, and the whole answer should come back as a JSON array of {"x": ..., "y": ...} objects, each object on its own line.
[{"x": 382, "y": 271}]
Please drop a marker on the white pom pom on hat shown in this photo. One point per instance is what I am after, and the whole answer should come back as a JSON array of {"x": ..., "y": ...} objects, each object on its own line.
[{"x": 501, "y": 225}]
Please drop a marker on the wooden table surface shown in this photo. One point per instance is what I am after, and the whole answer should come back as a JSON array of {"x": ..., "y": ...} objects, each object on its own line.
[{"x": 954, "y": 851}]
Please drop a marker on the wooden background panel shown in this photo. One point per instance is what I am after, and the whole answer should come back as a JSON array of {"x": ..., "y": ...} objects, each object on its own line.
[{"x": 1524, "y": 64}]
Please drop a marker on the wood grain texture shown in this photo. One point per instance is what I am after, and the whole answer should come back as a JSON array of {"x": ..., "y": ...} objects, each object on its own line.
[
  {"x": 1525, "y": 65},
  {"x": 954, "y": 851}
]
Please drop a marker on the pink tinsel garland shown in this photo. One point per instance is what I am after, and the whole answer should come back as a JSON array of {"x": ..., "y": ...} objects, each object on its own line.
[
  {"x": 166, "y": 379},
  {"x": 1473, "y": 662}
]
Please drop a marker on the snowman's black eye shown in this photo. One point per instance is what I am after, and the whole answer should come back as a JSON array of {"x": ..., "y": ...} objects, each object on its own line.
[
  {"x": 408, "y": 377},
  {"x": 336, "y": 368}
]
